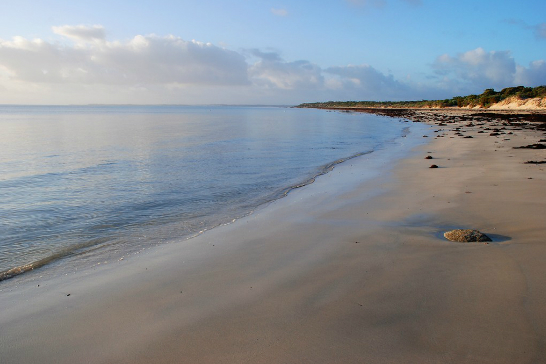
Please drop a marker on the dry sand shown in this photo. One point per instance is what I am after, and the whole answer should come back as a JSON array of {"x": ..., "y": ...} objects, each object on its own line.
[
  {"x": 515, "y": 103},
  {"x": 352, "y": 269}
]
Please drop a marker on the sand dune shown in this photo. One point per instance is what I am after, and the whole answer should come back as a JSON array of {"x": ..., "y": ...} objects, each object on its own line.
[{"x": 514, "y": 103}]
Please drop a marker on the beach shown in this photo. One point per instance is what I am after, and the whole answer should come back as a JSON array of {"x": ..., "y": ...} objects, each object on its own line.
[{"x": 352, "y": 268}]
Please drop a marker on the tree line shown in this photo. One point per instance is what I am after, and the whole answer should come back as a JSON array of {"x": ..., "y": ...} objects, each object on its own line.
[{"x": 485, "y": 100}]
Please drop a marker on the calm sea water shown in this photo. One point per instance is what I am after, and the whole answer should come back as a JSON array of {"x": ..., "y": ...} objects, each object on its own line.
[{"x": 82, "y": 179}]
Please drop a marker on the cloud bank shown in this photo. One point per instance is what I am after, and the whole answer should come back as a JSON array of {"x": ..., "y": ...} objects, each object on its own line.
[
  {"x": 272, "y": 71},
  {"x": 143, "y": 59},
  {"x": 84, "y": 67},
  {"x": 480, "y": 69}
]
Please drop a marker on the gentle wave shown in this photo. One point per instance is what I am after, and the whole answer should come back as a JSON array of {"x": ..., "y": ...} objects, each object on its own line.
[
  {"x": 96, "y": 243},
  {"x": 71, "y": 251}
]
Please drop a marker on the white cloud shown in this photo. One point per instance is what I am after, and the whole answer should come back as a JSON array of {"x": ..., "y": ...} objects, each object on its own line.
[
  {"x": 365, "y": 76},
  {"x": 272, "y": 71},
  {"x": 268, "y": 56},
  {"x": 478, "y": 67},
  {"x": 304, "y": 79},
  {"x": 279, "y": 12},
  {"x": 81, "y": 33},
  {"x": 168, "y": 69},
  {"x": 476, "y": 70},
  {"x": 144, "y": 59},
  {"x": 364, "y": 82},
  {"x": 533, "y": 76}
]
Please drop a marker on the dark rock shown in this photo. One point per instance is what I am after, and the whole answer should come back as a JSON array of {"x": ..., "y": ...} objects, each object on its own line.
[
  {"x": 433, "y": 166},
  {"x": 428, "y": 157},
  {"x": 466, "y": 236},
  {"x": 532, "y": 146}
]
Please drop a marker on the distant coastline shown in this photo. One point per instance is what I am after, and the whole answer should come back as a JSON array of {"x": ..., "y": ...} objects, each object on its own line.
[{"x": 511, "y": 98}]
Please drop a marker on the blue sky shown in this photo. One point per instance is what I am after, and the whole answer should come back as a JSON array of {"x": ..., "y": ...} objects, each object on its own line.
[{"x": 266, "y": 52}]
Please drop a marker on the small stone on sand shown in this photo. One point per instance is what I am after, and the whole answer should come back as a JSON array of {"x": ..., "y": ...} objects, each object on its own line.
[{"x": 466, "y": 236}]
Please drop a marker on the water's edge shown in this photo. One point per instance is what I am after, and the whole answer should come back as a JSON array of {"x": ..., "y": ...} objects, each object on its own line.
[{"x": 99, "y": 244}]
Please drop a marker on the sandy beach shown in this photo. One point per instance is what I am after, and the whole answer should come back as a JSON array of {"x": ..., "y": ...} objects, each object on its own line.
[{"x": 353, "y": 268}]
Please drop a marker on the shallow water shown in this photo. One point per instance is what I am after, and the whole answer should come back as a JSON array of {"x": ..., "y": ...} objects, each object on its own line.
[{"x": 77, "y": 178}]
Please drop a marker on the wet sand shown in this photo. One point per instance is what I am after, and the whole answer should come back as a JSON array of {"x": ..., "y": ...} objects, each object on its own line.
[{"x": 351, "y": 269}]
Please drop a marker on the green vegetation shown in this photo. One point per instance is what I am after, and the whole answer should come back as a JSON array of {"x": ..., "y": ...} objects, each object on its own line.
[{"x": 486, "y": 99}]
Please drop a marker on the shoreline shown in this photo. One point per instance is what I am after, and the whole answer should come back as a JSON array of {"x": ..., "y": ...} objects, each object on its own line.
[
  {"x": 414, "y": 114},
  {"x": 54, "y": 261},
  {"x": 78, "y": 251},
  {"x": 351, "y": 268},
  {"x": 35, "y": 270}
]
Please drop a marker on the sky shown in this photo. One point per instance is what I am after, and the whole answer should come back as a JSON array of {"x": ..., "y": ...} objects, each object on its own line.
[{"x": 265, "y": 52}]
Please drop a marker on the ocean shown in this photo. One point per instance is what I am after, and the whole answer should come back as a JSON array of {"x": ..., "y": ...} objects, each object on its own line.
[{"x": 81, "y": 183}]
